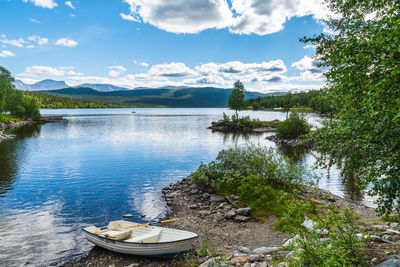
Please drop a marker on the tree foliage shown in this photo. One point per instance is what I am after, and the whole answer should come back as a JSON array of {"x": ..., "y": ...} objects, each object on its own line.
[
  {"x": 294, "y": 126},
  {"x": 236, "y": 98},
  {"x": 13, "y": 101},
  {"x": 363, "y": 84}
]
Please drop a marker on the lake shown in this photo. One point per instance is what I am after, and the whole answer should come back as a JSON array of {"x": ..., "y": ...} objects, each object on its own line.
[{"x": 96, "y": 165}]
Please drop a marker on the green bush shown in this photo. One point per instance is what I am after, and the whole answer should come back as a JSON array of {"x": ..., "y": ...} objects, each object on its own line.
[
  {"x": 339, "y": 247},
  {"x": 294, "y": 126},
  {"x": 232, "y": 166},
  {"x": 261, "y": 197}
]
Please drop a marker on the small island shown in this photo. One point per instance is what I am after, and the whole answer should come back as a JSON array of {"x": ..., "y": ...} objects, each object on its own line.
[{"x": 244, "y": 124}]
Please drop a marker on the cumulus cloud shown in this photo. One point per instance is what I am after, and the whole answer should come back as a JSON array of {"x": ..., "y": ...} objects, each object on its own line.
[
  {"x": 18, "y": 43},
  {"x": 68, "y": 3},
  {"x": 36, "y": 71},
  {"x": 43, "y": 3},
  {"x": 66, "y": 42},
  {"x": 6, "y": 53},
  {"x": 174, "y": 69},
  {"x": 39, "y": 40},
  {"x": 242, "y": 17},
  {"x": 309, "y": 64},
  {"x": 180, "y": 16}
]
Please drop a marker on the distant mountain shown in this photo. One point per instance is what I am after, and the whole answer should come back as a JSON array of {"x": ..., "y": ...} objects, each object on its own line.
[
  {"x": 186, "y": 97},
  {"x": 40, "y": 86},
  {"x": 102, "y": 87}
]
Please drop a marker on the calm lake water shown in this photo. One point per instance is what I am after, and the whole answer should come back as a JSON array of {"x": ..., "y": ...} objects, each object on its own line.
[{"x": 96, "y": 165}]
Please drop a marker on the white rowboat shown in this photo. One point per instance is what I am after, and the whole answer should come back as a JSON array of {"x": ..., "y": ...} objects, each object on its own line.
[{"x": 138, "y": 239}]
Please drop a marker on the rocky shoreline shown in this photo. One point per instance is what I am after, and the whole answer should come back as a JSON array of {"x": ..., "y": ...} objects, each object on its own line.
[
  {"x": 12, "y": 124},
  {"x": 244, "y": 129},
  {"x": 291, "y": 142},
  {"x": 228, "y": 233}
]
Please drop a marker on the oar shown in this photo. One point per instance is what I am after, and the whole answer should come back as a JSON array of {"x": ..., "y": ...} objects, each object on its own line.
[{"x": 137, "y": 225}]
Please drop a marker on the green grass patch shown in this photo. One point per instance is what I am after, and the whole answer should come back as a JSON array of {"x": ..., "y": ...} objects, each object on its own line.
[{"x": 4, "y": 118}]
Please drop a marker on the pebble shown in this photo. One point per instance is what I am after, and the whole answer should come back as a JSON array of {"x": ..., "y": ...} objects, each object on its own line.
[
  {"x": 194, "y": 191},
  {"x": 255, "y": 257},
  {"x": 393, "y": 225},
  {"x": 204, "y": 212},
  {"x": 193, "y": 206},
  {"x": 391, "y": 232},
  {"x": 230, "y": 214},
  {"x": 240, "y": 259}
]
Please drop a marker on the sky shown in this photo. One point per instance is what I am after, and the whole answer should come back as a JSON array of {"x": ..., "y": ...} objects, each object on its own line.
[{"x": 155, "y": 43}]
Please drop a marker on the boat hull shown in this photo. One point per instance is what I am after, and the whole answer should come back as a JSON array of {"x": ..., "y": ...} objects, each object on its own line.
[{"x": 164, "y": 249}]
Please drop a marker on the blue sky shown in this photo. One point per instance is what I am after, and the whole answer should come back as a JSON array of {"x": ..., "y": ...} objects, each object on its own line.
[{"x": 154, "y": 43}]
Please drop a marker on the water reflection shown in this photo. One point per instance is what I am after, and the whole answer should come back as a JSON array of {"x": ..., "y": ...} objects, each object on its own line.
[
  {"x": 10, "y": 157},
  {"x": 295, "y": 154}
]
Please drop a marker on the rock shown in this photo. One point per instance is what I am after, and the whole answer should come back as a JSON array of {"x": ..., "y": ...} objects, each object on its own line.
[
  {"x": 193, "y": 206},
  {"x": 240, "y": 218},
  {"x": 204, "y": 212},
  {"x": 389, "y": 263},
  {"x": 394, "y": 257},
  {"x": 243, "y": 249},
  {"x": 193, "y": 186},
  {"x": 133, "y": 265},
  {"x": 194, "y": 191},
  {"x": 242, "y": 259},
  {"x": 206, "y": 195},
  {"x": 265, "y": 250},
  {"x": 127, "y": 215},
  {"x": 391, "y": 232},
  {"x": 217, "y": 198},
  {"x": 380, "y": 239},
  {"x": 380, "y": 227},
  {"x": 206, "y": 263},
  {"x": 247, "y": 264},
  {"x": 255, "y": 257},
  {"x": 290, "y": 241},
  {"x": 243, "y": 211},
  {"x": 230, "y": 214},
  {"x": 393, "y": 225},
  {"x": 263, "y": 264},
  {"x": 308, "y": 223}
]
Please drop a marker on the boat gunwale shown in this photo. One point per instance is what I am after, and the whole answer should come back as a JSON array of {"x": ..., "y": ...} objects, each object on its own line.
[{"x": 141, "y": 243}]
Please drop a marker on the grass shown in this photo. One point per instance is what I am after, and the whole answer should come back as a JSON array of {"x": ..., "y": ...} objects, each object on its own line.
[{"x": 4, "y": 118}]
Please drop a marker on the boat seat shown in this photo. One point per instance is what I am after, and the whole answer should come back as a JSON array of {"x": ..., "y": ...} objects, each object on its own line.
[
  {"x": 150, "y": 237},
  {"x": 121, "y": 235}
]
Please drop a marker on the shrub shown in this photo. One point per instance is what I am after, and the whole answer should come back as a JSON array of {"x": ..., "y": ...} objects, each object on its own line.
[
  {"x": 231, "y": 166},
  {"x": 339, "y": 247},
  {"x": 262, "y": 198},
  {"x": 294, "y": 126}
]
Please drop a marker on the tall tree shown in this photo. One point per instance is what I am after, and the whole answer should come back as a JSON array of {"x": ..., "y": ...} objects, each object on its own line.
[
  {"x": 363, "y": 85},
  {"x": 236, "y": 98},
  {"x": 287, "y": 104}
]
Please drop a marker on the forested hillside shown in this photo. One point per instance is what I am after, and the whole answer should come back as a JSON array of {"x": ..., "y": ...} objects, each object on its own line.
[{"x": 186, "y": 97}]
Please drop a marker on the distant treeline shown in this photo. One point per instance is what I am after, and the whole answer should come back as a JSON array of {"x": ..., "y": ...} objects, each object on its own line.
[
  {"x": 314, "y": 100},
  {"x": 58, "y": 102},
  {"x": 12, "y": 101}
]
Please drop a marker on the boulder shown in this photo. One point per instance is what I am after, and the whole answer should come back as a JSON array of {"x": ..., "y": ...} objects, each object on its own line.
[
  {"x": 389, "y": 263},
  {"x": 265, "y": 250},
  {"x": 243, "y": 211},
  {"x": 217, "y": 198},
  {"x": 242, "y": 249},
  {"x": 241, "y": 260}
]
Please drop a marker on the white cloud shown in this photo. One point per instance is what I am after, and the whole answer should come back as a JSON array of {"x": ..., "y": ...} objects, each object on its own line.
[
  {"x": 180, "y": 16},
  {"x": 141, "y": 63},
  {"x": 128, "y": 17},
  {"x": 43, "y": 3},
  {"x": 6, "y": 53},
  {"x": 34, "y": 20},
  {"x": 308, "y": 64},
  {"x": 68, "y": 3},
  {"x": 39, "y": 40},
  {"x": 37, "y": 71},
  {"x": 30, "y": 46},
  {"x": 18, "y": 43},
  {"x": 243, "y": 17},
  {"x": 116, "y": 71},
  {"x": 174, "y": 69},
  {"x": 66, "y": 42}
]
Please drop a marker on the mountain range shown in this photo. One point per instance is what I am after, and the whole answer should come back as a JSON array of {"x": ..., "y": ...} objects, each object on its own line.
[{"x": 168, "y": 96}]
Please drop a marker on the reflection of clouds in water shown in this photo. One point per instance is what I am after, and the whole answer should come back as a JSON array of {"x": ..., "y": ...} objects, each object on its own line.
[
  {"x": 150, "y": 204},
  {"x": 38, "y": 237}
]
